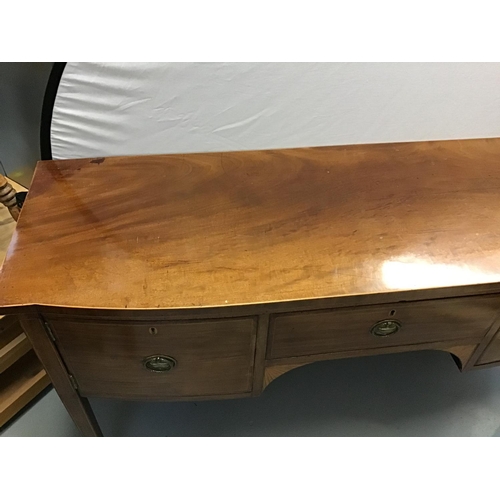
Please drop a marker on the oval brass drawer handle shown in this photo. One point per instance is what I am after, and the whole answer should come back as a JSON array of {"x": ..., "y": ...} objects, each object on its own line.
[
  {"x": 385, "y": 327},
  {"x": 159, "y": 363}
]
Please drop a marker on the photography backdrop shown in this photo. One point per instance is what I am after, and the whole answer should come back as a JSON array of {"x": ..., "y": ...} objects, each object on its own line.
[{"x": 104, "y": 109}]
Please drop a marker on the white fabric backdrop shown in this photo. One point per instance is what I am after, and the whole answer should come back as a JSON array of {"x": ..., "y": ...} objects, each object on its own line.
[{"x": 105, "y": 109}]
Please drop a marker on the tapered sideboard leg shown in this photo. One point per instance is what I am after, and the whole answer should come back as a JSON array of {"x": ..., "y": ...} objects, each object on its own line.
[{"x": 77, "y": 406}]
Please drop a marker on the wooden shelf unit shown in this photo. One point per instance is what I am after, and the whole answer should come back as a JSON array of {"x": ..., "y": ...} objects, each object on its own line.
[
  {"x": 22, "y": 376},
  {"x": 19, "y": 384},
  {"x": 13, "y": 342}
]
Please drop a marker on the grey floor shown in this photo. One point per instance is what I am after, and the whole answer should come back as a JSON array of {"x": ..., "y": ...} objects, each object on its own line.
[{"x": 411, "y": 394}]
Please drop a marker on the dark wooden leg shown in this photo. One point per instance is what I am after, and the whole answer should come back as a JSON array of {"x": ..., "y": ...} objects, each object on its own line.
[{"x": 77, "y": 406}]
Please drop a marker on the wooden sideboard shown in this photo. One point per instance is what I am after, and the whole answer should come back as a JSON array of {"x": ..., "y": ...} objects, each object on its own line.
[{"x": 206, "y": 276}]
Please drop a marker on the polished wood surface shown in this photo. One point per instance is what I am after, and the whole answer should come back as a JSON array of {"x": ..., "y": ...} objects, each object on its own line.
[
  {"x": 221, "y": 229},
  {"x": 317, "y": 332},
  {"x": 213, "y": 357}
]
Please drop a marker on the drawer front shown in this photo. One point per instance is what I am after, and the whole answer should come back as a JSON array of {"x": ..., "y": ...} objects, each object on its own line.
[
  {"x": 320, "y": 332},
  {"x": 158, "y": 359}
]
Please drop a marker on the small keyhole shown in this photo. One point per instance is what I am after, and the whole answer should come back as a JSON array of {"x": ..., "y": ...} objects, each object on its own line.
[
  {"x": 153, "y": 330},
  {"x": 392, "y": 313}
]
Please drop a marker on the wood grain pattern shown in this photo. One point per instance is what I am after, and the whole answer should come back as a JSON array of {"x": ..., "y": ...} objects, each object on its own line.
[
  {"x": 20, "y": 384},
  {"x": 77, "y": 406},
  {"x": 301, "y": 334},
  {"x": 224, "y": 229},
  {"x": 273, "y": 372},
  {"x": 213, "y": 357}
]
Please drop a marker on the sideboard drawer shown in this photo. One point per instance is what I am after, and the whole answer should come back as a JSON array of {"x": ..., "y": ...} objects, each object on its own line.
[
  {"x": 158, "y": 359},
  {"x": 319, "y": 332}
]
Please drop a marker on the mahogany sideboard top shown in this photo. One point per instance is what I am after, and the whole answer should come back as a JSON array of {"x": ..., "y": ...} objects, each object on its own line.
[
  {"x": 253, "y": 227},
  {"x": 207, "y": 276}
]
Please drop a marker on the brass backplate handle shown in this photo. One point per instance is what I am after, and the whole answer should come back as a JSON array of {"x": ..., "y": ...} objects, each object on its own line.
[
  {"x": 159, "y": 363},
  {"x": 385, "y": 327}
]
